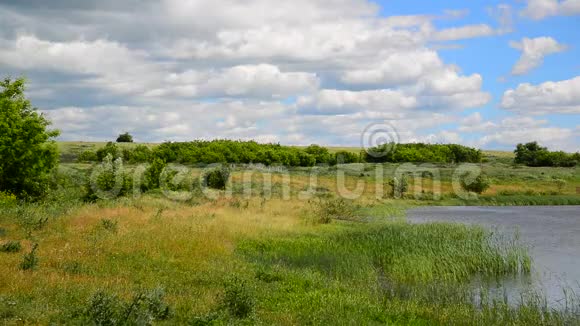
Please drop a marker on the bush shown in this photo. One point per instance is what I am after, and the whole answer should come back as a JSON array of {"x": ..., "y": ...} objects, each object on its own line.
[
  {"x": 102, "y": 309},
  {"x": 153, "y": 174},
  {"x": 229, "y": 151},
  {"x": 320, "y": 154},
  {"x": 11, "y": 246},
  {"x": 237, "y": 299},
  {"x": 30, "y": 261},
  {"x": 344, "y": 157},
  {"x": 7, "y": 199},
  {"x": 27, "y": 150},
  {"x": 327, "y": 208},
  {"x": 125, "y": 138},
  {"x": 419, "y": 152},
  {"x": 108, "y": 181},
  {"x": 399, "y": 186},
  {"x": 139, "y": 154},
  {"x": 217, "y": 178},
  {"x": 144, "y": 309},
  {"x": 532, "y": 154},
  {"x": 109, "y": 149},
  {"x": 88, "y": 156},
  {"x": 479, "y": 185}
]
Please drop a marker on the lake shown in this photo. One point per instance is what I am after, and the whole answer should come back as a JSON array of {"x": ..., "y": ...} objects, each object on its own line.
[{"x": 552, "y": 233}]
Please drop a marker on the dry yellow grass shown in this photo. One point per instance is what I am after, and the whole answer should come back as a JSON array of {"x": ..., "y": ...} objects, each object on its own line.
[{"x": 158, "y": 242}]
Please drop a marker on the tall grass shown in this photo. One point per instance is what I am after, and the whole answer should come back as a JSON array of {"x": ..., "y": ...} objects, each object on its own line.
[{"x": 402, "y": 252}]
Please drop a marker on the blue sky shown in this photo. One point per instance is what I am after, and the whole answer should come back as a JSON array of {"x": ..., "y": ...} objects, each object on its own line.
[{"x": 487, "y": 74}]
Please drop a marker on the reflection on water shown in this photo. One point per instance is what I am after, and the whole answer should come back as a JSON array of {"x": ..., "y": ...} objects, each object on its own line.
[{"x": 552, "y": 234}]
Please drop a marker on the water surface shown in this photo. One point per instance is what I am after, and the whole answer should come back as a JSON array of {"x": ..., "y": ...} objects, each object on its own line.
[{"x": 552, "y": 234}]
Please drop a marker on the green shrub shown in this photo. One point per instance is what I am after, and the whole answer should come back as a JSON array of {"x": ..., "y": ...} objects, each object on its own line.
[
  {"x": 108, "y": 180},
  {"x": 143, "y": 309},
  {"x": 30, "y": 261},
  {"x": 479, "y": 185},
  {"x": 27, "y": 150},
  {"x": 344, "y": 157},
  {"x": 230, "y": 151},
  {"x": 11, "y": 246},
  {"x": 103, "y": 309},
  {"x": 139, "y": 154},
  {"x": 146, "y": 307},
  {"x": 238, "y": 299},
  {"x": 326, "y": 208},
  {"x": 532, "y": 154},
  {"x": 110, "y": 149},
  {"x": 217, "y": 178},
  {"x": 399, "y": 186},
  {"x": 419, "y": 152},
  {"x": 88, "y": 156},
  {"x": 153, "y": 174},
  {"x": 7, "y": 199}
]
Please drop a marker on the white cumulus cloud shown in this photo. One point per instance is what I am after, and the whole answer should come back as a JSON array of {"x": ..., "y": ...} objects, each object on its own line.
[
  {"x": 546, "y": 98},
  {"x": 533, "y": 52},
  {"x": 539, "y": 9}
]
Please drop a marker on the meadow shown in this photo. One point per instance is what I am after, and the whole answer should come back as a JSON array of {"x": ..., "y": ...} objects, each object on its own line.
[{"x": 287, "y": 251}]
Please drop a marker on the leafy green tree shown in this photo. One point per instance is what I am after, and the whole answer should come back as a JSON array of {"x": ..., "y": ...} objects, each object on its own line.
[
  {"x": 125, "y": 138},
  {"x": 217, "y": 178},
  {"x": 529, "y": 153},
  {"x": 28, "y": 153},
  {"x": 153, "y": 174},
  {"x": 320, "y": 153}
]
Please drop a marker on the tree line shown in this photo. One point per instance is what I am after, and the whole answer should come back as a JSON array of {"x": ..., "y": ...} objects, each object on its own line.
[
  {"x": 532, "y": 154},
  {"x": 245, "y": 152}
]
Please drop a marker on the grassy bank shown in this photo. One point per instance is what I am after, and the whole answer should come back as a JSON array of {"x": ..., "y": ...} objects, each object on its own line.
[
  {"x": 273, "y": 248},
  {"x": 248, "y": 261}
]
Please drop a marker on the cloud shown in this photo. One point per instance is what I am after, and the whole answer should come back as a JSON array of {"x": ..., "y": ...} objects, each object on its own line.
[
  {"x": 562, "y": 97},
  {"x": 475, "y": 123},
  {"x": 509, "y": 131},
  {"x": 540, "y": 9},
  {"x": 463, "y": 32},
  {"x": 306, "y": 71},
  {"x": 397, "y": 68},
  {"x": 114, "y": 67},
  {"x": 533, "y": 52},
  {"x": 343, "y": 102},
  {"x": 262, "y": 81}
]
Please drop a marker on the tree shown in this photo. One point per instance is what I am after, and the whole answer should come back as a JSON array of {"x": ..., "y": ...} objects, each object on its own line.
[
  {"x": 125, "y": 138},
  {"x": 28, "y": 153},
  {"x": 530, "y": 154},
  {"x": 320, "y": 153}
]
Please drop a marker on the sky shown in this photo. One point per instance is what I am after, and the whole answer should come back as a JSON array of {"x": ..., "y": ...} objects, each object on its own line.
[{"x": 488, "y": 74}]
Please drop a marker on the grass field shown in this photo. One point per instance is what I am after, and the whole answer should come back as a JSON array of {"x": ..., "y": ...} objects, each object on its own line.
[
  {"x": 259, "y": 254},
  {"x": 250, "y": 261}
]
